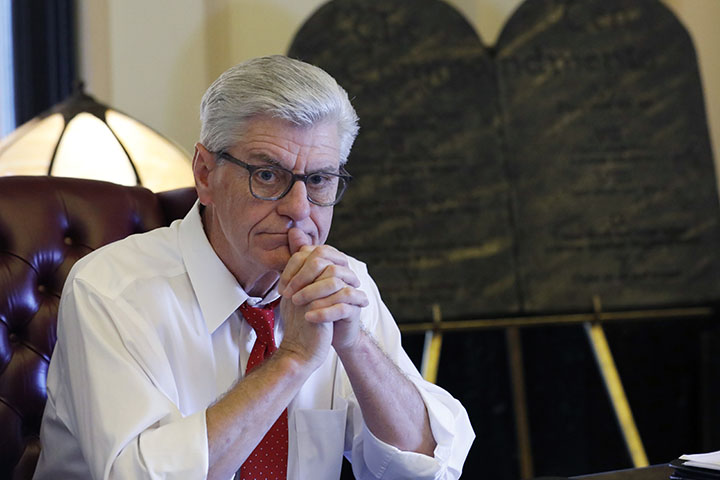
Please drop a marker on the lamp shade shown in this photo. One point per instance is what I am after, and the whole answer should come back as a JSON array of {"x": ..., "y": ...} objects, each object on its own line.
[{"x": 83, "y": 138}]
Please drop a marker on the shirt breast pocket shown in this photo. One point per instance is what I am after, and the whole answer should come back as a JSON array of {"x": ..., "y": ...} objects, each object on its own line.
[{"x": 320, "y": 442}]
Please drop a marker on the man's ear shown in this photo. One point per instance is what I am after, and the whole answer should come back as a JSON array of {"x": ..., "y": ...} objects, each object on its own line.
[{"x": 203, "y": 165}]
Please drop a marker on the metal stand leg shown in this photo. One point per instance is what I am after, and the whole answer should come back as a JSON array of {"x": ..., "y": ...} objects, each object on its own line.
[
  {"x": 432, "y": 348},
  {"x": 522, "y": 427},
  {"x": 606, "y": 364}
]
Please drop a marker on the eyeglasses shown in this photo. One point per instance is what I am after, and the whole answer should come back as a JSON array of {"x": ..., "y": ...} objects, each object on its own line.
[{"x": 272, "y": 182}]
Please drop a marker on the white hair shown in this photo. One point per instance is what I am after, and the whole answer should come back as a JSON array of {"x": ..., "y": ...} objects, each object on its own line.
[{"x": 278, "y": 87}]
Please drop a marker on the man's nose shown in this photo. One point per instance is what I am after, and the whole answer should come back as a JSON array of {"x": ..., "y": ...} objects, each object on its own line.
[{"x": 295, "y": 203}]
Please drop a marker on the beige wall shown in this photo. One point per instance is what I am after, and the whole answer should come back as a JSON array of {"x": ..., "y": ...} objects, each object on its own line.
[{"x": 154, "y": 59}]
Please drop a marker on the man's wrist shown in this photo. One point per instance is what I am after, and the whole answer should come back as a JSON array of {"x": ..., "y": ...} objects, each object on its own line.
[
  {"x": 362, "y": 339},
  {"x": 295, "y": 363}
]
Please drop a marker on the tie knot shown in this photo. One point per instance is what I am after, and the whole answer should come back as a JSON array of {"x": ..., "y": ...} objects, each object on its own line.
[{"x": 262, "y": 320}]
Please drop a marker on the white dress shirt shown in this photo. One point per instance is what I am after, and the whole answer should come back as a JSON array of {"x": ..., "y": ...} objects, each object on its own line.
[{"x": 149, "y": 338}]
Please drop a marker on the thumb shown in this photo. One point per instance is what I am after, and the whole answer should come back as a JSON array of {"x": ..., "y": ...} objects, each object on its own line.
[{"x": 297, "y": 239}]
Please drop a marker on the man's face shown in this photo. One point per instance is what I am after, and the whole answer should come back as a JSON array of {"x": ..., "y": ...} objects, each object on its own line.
[{"x": 251, "y": 235}]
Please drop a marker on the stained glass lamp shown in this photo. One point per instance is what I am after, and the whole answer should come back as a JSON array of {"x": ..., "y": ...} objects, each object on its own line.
[{"x": 83, "y": 138}]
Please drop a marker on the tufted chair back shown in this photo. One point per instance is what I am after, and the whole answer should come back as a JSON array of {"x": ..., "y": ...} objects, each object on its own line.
[{"x": 46, "y": 225}]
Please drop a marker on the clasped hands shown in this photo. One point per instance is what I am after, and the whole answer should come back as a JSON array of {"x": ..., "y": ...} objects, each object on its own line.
[{"x": 321, "y": 302}]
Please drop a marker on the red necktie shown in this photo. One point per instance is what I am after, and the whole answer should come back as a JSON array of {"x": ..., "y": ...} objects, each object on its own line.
[{"x": 269, "y": 459}]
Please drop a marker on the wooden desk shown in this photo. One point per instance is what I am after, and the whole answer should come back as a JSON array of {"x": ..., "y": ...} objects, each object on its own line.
[{"x": 656, "y": 472}]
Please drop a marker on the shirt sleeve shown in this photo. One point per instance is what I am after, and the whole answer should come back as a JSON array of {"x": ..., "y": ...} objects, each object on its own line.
[
  {"x": 449, "y": 422},
  {"x": 120, "y": 414}
]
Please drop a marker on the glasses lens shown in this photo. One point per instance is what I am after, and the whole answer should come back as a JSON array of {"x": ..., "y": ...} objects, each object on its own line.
[
  {"x": 270, "y": 182},
  {"x": 325, "y": 188}
]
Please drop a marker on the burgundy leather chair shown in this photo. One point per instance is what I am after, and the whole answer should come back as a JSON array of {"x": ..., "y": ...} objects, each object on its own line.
[{"x": 46, "y": 225}]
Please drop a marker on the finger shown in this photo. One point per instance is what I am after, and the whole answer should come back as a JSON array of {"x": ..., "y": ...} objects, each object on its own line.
[
  {"x": 341, "y": 272},
  {"x": 332, "y": 313},
  {"x": 291, "y": 268},
  {"x": 297, "y": 239},
  {"x": 318, "y": 290},
  {"x": 345, "y": 296},
  {"x": 309, "y": 266},
  {"x": 331, "y": 253},
  {"x": 332, "y": 280},
  {"x": 312, "y": 267}
]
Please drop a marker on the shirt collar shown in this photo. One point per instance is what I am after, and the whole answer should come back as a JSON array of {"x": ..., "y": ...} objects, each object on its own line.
[{"x": 218, "y": 292}]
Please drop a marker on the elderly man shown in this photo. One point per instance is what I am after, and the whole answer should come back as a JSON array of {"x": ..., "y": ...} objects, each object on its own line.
[{"x": 166, "y": 364}]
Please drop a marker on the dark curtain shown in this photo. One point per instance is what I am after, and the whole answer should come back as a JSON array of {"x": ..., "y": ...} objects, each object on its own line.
[{"x": 44, "y": 57}]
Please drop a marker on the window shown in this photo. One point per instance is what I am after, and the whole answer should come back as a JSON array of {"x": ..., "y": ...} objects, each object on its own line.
[{"x": 7, "y": 97}]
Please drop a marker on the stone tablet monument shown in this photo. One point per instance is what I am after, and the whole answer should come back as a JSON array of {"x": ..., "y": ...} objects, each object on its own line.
[
  {"x": 428, "y": 206},
  {"x": 573, "y": 162},
  {"x": 609, "y": 156}
]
